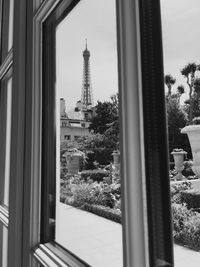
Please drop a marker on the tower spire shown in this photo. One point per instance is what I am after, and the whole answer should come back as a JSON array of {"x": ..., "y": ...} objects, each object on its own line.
[{"x": 86, "y": 97}]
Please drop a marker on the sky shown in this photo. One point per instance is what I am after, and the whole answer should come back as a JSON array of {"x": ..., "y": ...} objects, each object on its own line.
[
  {"x": 181, "y": 37},
  {"x": 96, "y": 21}
]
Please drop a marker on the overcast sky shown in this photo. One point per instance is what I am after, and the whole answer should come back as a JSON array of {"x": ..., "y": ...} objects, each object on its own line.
[
  {"x": 96, "y": 21},
  {"x": 181, "y": 36}
]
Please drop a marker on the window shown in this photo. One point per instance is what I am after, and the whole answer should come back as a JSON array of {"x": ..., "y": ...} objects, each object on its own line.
[
  {"x": 5, "y": 117},
  {"x": 7, "y": 27},
  {"x": 32, "y": 111},
  {"x": 6, "y": 93}
]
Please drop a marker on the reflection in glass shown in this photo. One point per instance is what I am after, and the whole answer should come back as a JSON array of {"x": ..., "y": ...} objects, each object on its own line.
[
  {"x": 7, "y": 28},
  {"x": 10, "y": 25},
  {"x": 5, "y": 247},
  {"x": 88, "y": 210},
  {"x": 182, "y": 85},
  {"x": 5, "y": 117}
]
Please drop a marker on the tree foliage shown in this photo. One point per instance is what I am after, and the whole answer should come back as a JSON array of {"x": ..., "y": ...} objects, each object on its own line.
[
  {"x": 169, "y": 81},
  {"x": 106, "y": 113},
  {"x": 192, "y": 104}
]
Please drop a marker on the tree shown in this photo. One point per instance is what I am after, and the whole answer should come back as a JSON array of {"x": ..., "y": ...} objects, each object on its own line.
[
  {"x": 103, "y": 116},
  {"x": 169, "y": 81},
  {"x": 106, "y": 113},
  {"x": 189, "y": 72}
]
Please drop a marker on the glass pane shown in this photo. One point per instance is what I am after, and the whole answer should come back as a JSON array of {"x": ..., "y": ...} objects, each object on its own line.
[
  {"x": 10, "y": 24},
  {"x": 182, "y": 84},
  {"x": 4, "y": 246},
  {"x": 5, "y": 133},
  {"x": 7, "y": 30},
  {"x": 88, "y": 211}
]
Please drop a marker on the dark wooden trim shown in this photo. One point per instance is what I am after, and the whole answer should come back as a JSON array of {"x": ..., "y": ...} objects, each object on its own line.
[
  {"x": 156, "y": 148},
  {"x": 48, "y": 136}
]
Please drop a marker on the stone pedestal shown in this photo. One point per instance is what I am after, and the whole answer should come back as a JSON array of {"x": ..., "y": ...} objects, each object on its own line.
[
  {"x": 193, "y": 132},
  {"x": 178, "y": 155},
  {"x": 73, "y": 160},
  {"x": 116, "y": 158}
]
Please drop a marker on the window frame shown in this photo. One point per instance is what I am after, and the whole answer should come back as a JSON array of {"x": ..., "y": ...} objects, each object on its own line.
[
  {"x": 139, "y": 229},
  {"x": 25, "y": 231}
]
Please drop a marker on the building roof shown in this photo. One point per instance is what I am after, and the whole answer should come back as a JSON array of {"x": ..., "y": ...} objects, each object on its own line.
[{"x": 74, "y": 115}]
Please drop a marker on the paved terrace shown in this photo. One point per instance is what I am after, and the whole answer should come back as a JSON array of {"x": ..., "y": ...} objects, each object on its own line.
[{"x": 98, "y": 241}]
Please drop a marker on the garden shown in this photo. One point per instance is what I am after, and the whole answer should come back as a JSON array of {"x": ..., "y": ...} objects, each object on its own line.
[{"x": 95, "y": 186}]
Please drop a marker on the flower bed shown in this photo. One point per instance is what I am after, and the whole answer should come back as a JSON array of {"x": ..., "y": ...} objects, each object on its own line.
[{"x": 101, "y": 198}]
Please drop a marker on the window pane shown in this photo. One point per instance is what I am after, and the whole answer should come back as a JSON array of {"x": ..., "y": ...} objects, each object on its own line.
[
  {"x": 182, "y": 76},
  {"x": 5, "y": 133},
  {"x": 7, "y": 29},
  {"x": 10, "y": 24},
  {"x": 88, "y": 189},
  {"x": 4, "y": 246}
]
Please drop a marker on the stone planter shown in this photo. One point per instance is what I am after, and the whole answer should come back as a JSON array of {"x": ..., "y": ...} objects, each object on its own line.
[
  {"x": 178, "y": 155},
  {"x": 73, "y": 159},
  {"x": 116, "y": 157},
  {"x": 193, "y": 132}
]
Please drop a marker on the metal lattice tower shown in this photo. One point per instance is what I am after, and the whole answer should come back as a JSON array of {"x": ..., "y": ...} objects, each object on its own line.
[{"x": 86, "y": 96}]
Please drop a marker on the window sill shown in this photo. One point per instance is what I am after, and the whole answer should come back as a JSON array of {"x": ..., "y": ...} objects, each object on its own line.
[{"x": 52, "y": 255}]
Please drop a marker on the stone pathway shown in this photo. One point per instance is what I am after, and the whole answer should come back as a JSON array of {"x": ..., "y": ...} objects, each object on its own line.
[
  {"x": 184, "y": 257},
  {"x": 98, "y": 241}
]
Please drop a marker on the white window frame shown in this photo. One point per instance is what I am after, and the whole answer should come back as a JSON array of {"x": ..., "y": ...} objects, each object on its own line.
[{"x": 25, "y": 193}]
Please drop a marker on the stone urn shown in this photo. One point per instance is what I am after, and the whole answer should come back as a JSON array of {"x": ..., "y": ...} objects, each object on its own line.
[
  {"x": 116, "y": 157},
  {"x": 193, "y": 132},
  {"x": 178, "y": 155},
  {"x": 73, "y": 159}
]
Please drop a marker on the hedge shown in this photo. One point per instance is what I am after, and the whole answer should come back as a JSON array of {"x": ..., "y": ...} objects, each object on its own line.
[
  {"x": 95, "y": 175},
  {"x": 191, "y": 197},
  {"x": 106, "y": 212},
  {"x": 186, "y": 226}
]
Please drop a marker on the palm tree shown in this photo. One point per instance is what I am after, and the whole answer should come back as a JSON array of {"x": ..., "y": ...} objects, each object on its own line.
[
  {"x": 180, "y": 91},
  {"x": 169, "y": 81},
  {"x": 189, "y": 73}
]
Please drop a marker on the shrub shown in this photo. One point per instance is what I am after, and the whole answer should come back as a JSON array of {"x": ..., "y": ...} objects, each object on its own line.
[
  {"x": 106, "y": 212},
  {"x": 90, "y": 193},
  {"x": 186, "y": 226},
  {"x": 95, "y": 175},
  {"x": 188, "y": 169},
  {"x": 191, "y": 197},
  {"x": 176, "y": 190}
]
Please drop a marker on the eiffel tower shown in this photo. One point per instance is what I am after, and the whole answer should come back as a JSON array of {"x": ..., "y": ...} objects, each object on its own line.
[{"x": 86, "y": 95}]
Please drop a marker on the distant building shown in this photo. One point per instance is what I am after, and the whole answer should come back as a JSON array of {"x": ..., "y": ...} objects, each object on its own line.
[{"x": 75, "y": 122}]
